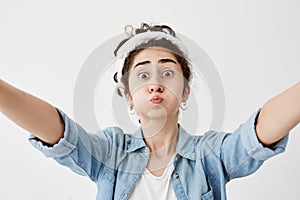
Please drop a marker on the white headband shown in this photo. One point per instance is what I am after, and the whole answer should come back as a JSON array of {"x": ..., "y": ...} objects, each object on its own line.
[{"x": 139, "y": 39}]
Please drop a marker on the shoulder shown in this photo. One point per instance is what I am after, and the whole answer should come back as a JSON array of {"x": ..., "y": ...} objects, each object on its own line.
[
  {"x": 118, "y": 137},
  {"x": 115, "y": 133},
  {"x": 201, "y": 145},
  {"x": 209, "y": 138},
  {"x": 210, "y": 141}
]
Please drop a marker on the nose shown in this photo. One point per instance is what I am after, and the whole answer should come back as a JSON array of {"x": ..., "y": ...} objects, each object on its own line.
[
  {"x": 154, "y": 87},
  {"x": 155, "y": 83}
]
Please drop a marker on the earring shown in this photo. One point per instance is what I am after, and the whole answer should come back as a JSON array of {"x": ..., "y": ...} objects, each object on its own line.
[
  {"x": 131, "y": 110},
  {"x": 183, "y": 106}
]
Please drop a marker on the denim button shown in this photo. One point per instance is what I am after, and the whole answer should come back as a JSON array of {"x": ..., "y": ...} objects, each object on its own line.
[
  {"x": 175, "y": 175},
  {"x": 177, "y": 157}
]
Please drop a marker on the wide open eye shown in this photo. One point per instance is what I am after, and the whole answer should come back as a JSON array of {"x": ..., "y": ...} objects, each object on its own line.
[
  {"x": 168, "y": 73},
  {"x": 143, "y": 75}
]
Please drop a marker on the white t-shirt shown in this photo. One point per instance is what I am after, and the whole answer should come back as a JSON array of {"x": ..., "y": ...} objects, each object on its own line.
[{"x": 151, "y": 187}]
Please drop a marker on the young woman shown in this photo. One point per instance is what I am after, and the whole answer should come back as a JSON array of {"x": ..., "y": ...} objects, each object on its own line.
[{"x": 160, "y": 160}]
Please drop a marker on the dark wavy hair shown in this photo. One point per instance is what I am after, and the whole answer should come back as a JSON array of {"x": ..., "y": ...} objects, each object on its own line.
[{"x": 164, "y": 43}]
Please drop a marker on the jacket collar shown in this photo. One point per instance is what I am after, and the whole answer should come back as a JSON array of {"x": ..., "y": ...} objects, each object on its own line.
[
  {"x": 136, "y": 141},
  {"x": 185, "y": 146}
]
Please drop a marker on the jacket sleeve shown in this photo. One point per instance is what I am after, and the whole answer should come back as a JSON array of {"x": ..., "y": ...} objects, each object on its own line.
[
  {"x": 241, "y": 151},
  {"x": 82, "y": 152}
]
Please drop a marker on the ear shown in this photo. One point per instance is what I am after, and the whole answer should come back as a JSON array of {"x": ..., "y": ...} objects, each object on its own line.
[{"x": 186, "y": 93}]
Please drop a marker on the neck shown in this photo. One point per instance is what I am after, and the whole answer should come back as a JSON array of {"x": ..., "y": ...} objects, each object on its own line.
[{"x": 161, "y": 135}]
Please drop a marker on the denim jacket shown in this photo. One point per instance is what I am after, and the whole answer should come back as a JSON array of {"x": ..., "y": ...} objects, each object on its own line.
[{"x": 203, "y": 164}]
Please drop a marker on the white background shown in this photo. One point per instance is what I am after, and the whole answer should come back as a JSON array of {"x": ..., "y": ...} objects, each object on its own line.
[{"x": 254, "y": 44}]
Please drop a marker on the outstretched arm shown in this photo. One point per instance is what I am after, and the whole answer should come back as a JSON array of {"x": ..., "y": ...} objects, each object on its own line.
[
  {"x": 31, "y": 113},
  {"x": 279, "y": 115}
]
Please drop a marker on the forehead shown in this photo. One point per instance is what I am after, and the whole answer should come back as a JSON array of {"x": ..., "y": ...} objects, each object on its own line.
[{"x": 153, "y": 54}]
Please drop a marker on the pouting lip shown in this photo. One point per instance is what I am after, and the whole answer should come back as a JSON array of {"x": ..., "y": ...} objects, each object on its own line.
[{"x": 156, "y": 98}]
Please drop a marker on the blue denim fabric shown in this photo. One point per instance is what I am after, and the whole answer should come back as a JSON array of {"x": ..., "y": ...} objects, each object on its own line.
[{"x": 115, "y": 160}]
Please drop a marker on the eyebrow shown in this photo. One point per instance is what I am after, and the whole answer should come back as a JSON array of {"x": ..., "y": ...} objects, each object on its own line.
[{"x": 163, "y": 60}]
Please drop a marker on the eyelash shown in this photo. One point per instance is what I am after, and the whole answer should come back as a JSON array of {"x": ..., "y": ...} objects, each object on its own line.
[
  {"x": 169, "y": 71},
  {"x": 143, "y": 73}
]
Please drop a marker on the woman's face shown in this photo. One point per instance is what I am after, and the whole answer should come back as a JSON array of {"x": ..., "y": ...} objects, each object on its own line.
[{"x": 156, "y": 84}]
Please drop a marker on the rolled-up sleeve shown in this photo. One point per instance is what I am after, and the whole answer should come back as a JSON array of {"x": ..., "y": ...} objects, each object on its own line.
[
  {"x": 82, "y": 152},
  {"x": 241, "y": 151},
  {"x": 252, "y": 145},
  {"x": 65, "y": 145}
]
